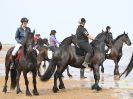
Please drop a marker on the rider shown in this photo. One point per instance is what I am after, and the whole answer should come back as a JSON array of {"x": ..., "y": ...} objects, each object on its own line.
[
  {"x": 53, "y": 41},
  {"x": 20, "y": 37},
  {"x": 108, "y": 30},
  {"x": 83, "y": 41}
]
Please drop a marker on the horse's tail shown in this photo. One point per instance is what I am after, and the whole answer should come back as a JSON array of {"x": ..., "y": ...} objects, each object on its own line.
[
  {"x": 13, "y": 74},
  {"x": 129, "y": 68},
  {"x": 49, "y": 72}
]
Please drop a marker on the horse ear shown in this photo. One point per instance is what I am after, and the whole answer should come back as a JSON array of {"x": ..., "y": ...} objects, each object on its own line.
[
  {"x": 71, "y": 34},
  {"x": 102, "y": 30},
  {"x": 124, "y": 32},
  {"x": 33, "y": 31}
]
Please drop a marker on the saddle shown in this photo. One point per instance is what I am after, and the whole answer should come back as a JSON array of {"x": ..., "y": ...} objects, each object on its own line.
[
  {"x": 82, "y": 52},
  {"x": 79, "y": 51}
]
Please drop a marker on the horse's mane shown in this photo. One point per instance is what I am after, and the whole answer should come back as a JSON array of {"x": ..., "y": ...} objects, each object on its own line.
[
  {"x": 66, "y": 40},
  {"x": 97, "y": 37},
  {"x": 118, "y": 37}
]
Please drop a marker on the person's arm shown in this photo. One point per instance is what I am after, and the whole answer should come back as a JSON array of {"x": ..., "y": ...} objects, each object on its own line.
[
  {"x": 17, "y": 36},
  {"x": 54, "y": 39},
  {"x": 91, "y": 37},
  {"x": 88, "y": 35}
]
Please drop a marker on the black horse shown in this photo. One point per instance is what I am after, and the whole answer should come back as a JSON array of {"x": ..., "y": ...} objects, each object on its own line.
[
  {"x": 116, "y": 52},
  {"x": 67, "y": 55},
  {"x": 0, "y": 46},
  {"x": 26, "y": 63}
]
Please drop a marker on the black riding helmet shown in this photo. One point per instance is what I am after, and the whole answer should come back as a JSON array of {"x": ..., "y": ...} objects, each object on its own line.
[
  {"x": 108, "y": 27},
  {"x": 52, "y": 32},
  {"x": 82, "y": 20},
  {"x": 24, "y": 19}
]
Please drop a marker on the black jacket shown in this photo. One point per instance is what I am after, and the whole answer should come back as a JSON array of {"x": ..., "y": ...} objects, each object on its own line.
[{"x": 82, "y": 34}]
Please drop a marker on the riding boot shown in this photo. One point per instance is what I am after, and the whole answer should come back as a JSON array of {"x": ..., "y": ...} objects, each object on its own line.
[
  {"x": 12, "y": 58},
  {"x": 87, "y": 62},
  {"x": 82, "y": 73}
]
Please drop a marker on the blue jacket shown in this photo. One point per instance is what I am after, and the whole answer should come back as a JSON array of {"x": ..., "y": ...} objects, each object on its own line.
[{"x": 20, "y": 34}]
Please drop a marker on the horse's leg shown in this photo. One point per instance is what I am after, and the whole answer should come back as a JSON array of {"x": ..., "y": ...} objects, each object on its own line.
[
  {"x": 34, "y": 73},
  {"x": 55, "y": 89},
  {"x": 18, "y": 78},
  {"x": 61, "y": 84},
  {"x": 68, "y": 73},
  {"x": 116, "y": 70},
  {"x": 38, "y": 67},
  {"x": 96, "y": 77},
  {"x": 26, "y": 83},
  {"x": 6, "y": 79},
  {"x": 102, "y": 68}
]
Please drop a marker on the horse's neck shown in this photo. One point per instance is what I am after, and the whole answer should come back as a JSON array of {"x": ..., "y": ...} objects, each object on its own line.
[
  {"x": 118, "y": 43},
  {"x": 66, "y": 42}
]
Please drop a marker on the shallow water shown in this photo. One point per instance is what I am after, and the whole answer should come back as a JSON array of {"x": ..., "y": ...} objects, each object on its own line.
[{"x": 123, "y": 88}]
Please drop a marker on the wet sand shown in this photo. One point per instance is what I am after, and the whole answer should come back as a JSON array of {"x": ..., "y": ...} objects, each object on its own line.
[{"x": 75, "y": 87}]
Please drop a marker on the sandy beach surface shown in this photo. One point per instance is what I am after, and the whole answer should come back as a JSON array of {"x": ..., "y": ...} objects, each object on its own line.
[{"x": 76, "y": 88}]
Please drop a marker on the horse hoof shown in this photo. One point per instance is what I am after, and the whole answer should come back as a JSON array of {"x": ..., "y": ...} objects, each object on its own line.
[
  {"x": 61, "y": 87},
  {"x": 19, "y": 91},
  {"x": 70, "y": 75},
  {"x": 93, "y": 87},
  {"x": 99, "y": 88},
  {"x": 35, "y": 92},
  {"x": 4, "y": 89},
  {"x": 55, "y": 89},
  {"x": 116, "y": 77},
  {"x": 28, "y": 94},
  {"x": 96, "y": 87}
]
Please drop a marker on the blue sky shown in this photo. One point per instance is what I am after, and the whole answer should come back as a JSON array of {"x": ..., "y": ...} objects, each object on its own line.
[{"x": 63, "y": 16}]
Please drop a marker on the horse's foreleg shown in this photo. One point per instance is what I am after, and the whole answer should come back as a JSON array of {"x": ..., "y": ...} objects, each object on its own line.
[
  {"x": 34, "y": 73},
  {"x": 18, "y": 78},
  {"x": 6, "y": 79},
  {"x": 116, "y": 70},
  {"x": 96, "y": 77},
  {"x": 68, "y": 73},
  {"x": 26, "y": 83},
  {"x": 55, "y": 89}
]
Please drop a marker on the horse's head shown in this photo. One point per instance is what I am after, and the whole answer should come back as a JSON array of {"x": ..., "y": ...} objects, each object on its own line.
[
  {"x": 126, "y": 39},
  {"x": 45, "y": 41},
  {"x": 105, "y": 37},
  {"x": 29, "y": 41},
  {"x": 69, "y": 40},
  {"x": 73, "y": 39}
]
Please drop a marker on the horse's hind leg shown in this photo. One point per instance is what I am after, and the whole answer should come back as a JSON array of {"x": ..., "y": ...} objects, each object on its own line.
[
  {"x": 6, "y": 79},
  {"x": 102, "y": 68},
  {"x": 26, "y": 83},
  {"x": 96, "y": 77},
  {"x": 34, "y": 73},
  {"x": 68, "y": 73},
  {"x": 18, "y": 78}
]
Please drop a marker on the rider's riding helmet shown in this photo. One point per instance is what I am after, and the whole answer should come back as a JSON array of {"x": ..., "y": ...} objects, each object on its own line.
[
  {"x": 108, "y": 27},
  {"x": 82, "y": 20},
  {"x": 24, "y": 19}
]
